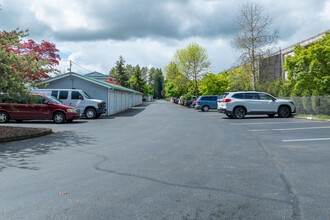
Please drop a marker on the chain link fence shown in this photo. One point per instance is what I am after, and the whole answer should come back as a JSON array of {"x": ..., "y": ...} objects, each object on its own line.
[{"x": 314, "y": 105}]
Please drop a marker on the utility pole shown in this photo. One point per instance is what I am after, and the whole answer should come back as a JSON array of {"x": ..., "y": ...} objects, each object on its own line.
[{"x": 70, "y": 66}]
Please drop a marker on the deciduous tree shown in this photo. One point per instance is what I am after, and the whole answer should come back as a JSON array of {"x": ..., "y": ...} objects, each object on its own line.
[
  {"x": 309, "y": 68},
  {"x": 253, "y": 36},
  {"x": 212, "y": 84},
  {"x": 192, "y": 62},
  {"x": 176, "y": 84},
  {"x": 23, "y": 64}
]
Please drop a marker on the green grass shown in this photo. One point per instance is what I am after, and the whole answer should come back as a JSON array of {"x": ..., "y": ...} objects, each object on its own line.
[{"x": 315, "y": 116}]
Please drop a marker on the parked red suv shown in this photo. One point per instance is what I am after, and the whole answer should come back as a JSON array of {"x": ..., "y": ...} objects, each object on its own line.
[{"x": 36, "y": 107}]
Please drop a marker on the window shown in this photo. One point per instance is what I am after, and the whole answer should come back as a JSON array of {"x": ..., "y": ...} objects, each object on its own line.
[
  {"x": 54, "y": 93},
  {"x": 213, "y": 98},
  {"x": 238, "y": 96},
  {"x": 87, "y": 95},
  {"x": 263, "y": 96},
  {"x": 76, "y": 95},
  {"x": 54, "y": 100},
  {"x": 63, "y": 94},
  {"x": 36, "y": 99},
  {"x": 251, "y": 96},
  {"x": 223, "y": 95}
]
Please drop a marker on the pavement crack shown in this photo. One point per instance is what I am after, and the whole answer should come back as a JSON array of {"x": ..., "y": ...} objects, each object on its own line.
[
  {"x": 294, "y": 201},
  {"x": 97, "y": 166}
]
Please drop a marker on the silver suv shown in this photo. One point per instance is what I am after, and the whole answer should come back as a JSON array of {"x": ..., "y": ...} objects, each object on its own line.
[{"x": 237, "y": 104}]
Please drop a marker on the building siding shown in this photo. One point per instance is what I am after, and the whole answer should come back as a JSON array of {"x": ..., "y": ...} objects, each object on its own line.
[{"x": 116, "y": 100}]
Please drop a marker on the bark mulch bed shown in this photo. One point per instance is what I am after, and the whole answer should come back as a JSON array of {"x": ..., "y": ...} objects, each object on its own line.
[{"x": 8, "y": 133}]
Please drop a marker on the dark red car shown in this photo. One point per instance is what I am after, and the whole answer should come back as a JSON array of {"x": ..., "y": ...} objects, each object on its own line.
[{"x": 36, "y": 107}]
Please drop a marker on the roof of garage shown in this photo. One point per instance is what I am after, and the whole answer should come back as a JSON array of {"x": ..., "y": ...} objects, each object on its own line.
[{"x": 90, "y": 79}]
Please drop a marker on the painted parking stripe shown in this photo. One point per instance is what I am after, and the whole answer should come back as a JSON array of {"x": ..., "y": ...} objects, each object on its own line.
[
  {"x": 312, "y": 139},
  {"x": 267, "y": 123},
  {"x": 290, "y": 129}
]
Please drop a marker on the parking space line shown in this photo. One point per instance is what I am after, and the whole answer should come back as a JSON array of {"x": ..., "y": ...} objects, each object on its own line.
[
  {"x": 311, "y": 139},
  {"x": 267, "y": 123},
  {"x": 290, "y": 129}
]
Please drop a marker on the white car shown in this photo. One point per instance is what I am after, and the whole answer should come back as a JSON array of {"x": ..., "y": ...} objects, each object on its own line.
[{"x": 237, "y": 104}]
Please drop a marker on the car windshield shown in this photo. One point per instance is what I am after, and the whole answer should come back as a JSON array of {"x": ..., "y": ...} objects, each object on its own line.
[
  {"x": 54, "y": 100},
  {"x": 86, "y": 95}
]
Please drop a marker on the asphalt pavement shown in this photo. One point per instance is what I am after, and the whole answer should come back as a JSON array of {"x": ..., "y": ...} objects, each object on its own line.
[{"x": 165, "y": 161}]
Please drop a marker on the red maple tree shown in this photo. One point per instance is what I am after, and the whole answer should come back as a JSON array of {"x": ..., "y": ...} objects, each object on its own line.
[
  {"x": 43, "y": 54},
  {"x": 41, "y": 58}
]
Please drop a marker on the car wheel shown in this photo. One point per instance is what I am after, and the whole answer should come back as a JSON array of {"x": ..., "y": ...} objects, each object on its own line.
[
  {"x": 4, "y": 117},
  {"x": 239, "y": 113},
  {"x": 271, "y": 115},
  {"x": 59, "y": 117},
  {"x": 205, "y": 108},
  {"x": 284, "y": 112},
  {"x": 90, "y": 113}
]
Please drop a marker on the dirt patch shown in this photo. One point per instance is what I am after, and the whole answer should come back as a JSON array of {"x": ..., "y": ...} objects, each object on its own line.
[{"x": 8, "y": 133}]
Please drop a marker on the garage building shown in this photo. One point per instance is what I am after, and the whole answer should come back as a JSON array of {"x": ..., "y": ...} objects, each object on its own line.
[{"x": 117, "y": 98}]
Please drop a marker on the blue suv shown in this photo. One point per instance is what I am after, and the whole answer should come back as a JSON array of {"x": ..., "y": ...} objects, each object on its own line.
[{"x": 205, "y": 102}]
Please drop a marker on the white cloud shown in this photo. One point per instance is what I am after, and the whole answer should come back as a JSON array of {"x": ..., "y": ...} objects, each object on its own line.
[
  {"x": 148, "y": 32},
  {"x": 61, "y": 15},
  {"x": 101, "y": 55},
  {"x": 325, "y": 14}
]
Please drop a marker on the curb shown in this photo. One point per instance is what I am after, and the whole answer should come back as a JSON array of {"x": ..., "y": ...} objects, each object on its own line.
[
  {"x": 45, "y": 131},
  {"x": 312, "y": 118}
]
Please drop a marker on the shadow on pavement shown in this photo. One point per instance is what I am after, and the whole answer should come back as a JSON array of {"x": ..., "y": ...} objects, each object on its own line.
[
  {"x": 134, "y": 110},
  {"x": 21, "y": 154}
]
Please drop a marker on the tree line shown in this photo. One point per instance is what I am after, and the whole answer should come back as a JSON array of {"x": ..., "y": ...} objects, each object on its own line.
[
  {"x": 149, "y": 81},
  {"x": 308, "y": 70}
]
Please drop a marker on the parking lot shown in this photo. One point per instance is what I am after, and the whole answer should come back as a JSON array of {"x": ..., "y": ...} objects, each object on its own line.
[{"x": 165, "y": 161}]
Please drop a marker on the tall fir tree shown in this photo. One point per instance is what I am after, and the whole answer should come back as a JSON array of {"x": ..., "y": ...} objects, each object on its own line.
[
  {"x": 120, "y": 73},
  {"x": 136, "y": 81},
  {"x": 158, "y": 84}
]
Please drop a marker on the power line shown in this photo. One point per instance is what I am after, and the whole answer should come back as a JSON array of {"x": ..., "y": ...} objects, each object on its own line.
[
  {"x": 81, "y": 66},
  {"x": 76, "y": 64}
]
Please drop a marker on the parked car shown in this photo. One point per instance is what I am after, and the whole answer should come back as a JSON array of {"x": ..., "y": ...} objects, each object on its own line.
[
  {"x": 181, "y": 100},
  {"x": 91, "y": 108},
  {"x": 237, "y": 104},
  {"x": 36, "y": 107},
  {"x": 173, "y": 99},
  {"x": 206, "y": 102},
  {"x": 190, "y": 103}
]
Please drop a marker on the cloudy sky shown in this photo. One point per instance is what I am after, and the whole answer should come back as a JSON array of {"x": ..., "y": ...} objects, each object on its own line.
[{"x": 94, "y": 33}]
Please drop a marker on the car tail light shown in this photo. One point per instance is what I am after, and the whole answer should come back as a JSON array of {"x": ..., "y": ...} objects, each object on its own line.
[
  {"x": 198, "y": 102},
  {"x": 194, "y": 102},
  {"x": 225, "y": 100}
]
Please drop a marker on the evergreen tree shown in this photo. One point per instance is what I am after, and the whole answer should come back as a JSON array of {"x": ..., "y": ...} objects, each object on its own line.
[
  {"x": 136, "y": 82},
  {"x": 120, "y": 72},
  {"x": 158, "y": 84}
]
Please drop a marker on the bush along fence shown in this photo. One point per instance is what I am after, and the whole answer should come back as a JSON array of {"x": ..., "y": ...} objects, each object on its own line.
[{"x": 314, "y": 105}]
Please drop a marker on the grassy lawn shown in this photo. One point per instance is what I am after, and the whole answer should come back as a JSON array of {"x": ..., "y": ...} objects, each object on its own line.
[{"x": 315, "y": 116}]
